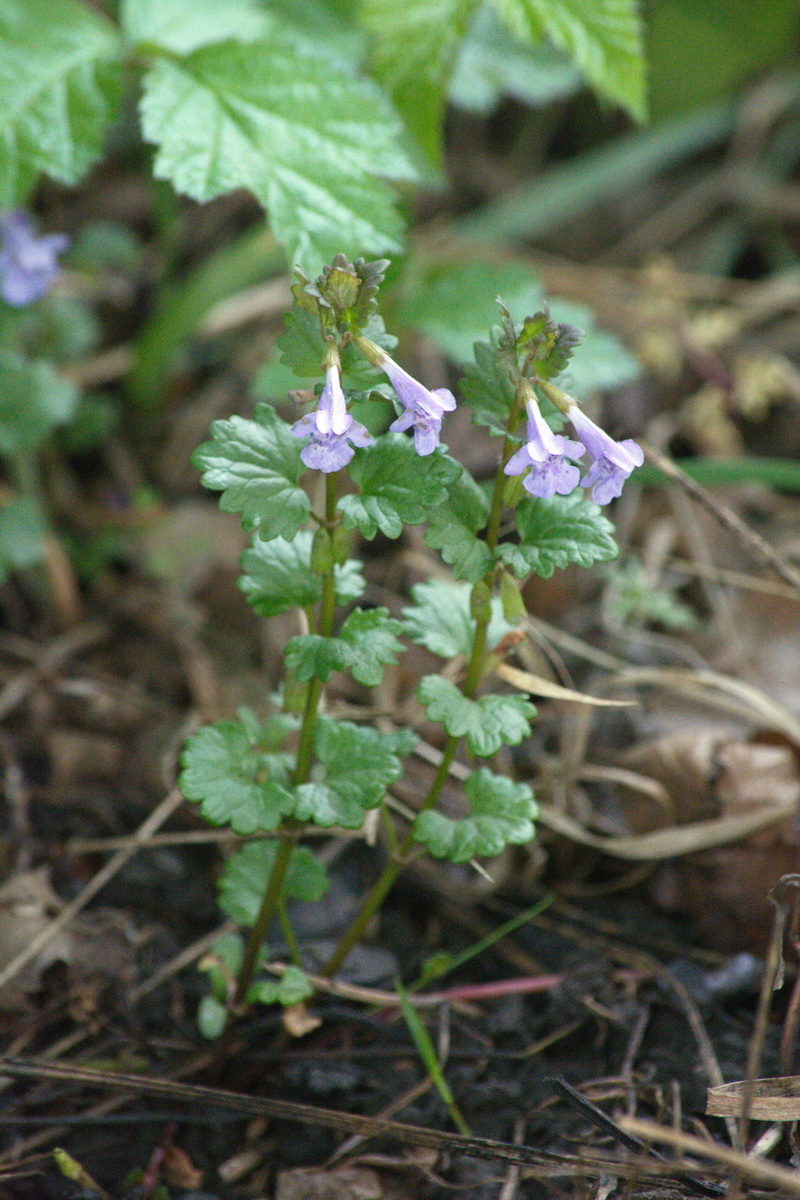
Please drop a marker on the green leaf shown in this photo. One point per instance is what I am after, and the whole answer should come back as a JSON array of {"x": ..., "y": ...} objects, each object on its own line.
[
  {"x": 487, "y": 723},
  {"x": 59, "y": 87},
  {"x": 247, "y": 872},
  {"x": 185, "y": 25},
  {"x": 212, "y": 1017},
  {"x": 355, "y": 765},
  {"x": 415, "y": 46},
  {"x": 33, "y": 401},
  {"x": 487, "y": 390},
  {"x": 453, "y": 527},
  {"x": 454, "y": 303},
  {"x": 278, "y": 576},
  {"x": 397, "y": 486},
  {"x": 302, "y": 351},
  {"x": 256, "y": 465},
  {"x": 372, "y": 637},
  {"x": 603, "y": 37},
  {"x": 234, "y": 780},
  {"x": 310, "y": 141},
  {"x": 502, "y": 812},
  {"x": 556, "y": 532},
  {"x": 293, "y": 987},
  {"x": 493, "y": 64},
  {"x": 312, "y": 655},
  {"x": 22, "y": 536},
  {"x": 440, "y": 618}
]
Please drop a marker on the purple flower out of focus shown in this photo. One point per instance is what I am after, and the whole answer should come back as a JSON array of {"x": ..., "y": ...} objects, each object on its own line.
[
  {"x": 331, "y": 427},
  {"x": 547, "y": 455},
  {"x": 28, "y": 263},
  {"x": 613, "y": 461}
]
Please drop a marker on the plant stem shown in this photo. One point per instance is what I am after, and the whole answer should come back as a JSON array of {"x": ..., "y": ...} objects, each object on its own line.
[
  {"x": 292, "y": 829},
  {"x": 378, "y": 893}
]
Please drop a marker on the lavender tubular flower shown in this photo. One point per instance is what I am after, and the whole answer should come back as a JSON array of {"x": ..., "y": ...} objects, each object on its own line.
[
  {"x": 424, "y": 408},
  {"x": 28, "y": 264},
  {"x": 547, "y": 454},
  {"x": 613, "y": 461},
  {"x": 331, "y": 427}
]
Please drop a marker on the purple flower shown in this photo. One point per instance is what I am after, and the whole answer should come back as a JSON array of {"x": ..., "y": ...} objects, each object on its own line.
[
  {"x": 331, "y": 427},
  {"x": 613, "y": 461},
  {"x": 546, "y": 453},
  {"x": 424, "y": 409},
  {"x": 28, "y": 263}
]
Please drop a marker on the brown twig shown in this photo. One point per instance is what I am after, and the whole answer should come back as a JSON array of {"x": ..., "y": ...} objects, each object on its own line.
[{"x": 753, "y": 541}]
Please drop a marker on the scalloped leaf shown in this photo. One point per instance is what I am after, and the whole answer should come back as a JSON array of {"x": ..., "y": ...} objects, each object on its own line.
[
  {"x": 397, "y": 486},
  {"x": 453, "y": 529},
  {"x": 502, "y": 813},
  {"x": 487, "y": 723},
  {"x": 256, "y": 465},
  {"x": 355, "y": 765},
  {"x": 234, "y": 780},
  {"x": 556, "y": 532},
  {"x": 440, "y": 618},
  {"x": 247, "y": 873},
  {"x": 278, "y": 576}
]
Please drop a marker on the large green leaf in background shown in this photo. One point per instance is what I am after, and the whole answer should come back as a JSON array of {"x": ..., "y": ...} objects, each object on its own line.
[
  {"x": 604, "y": 37},
  {"x": 310, "y": 141},
  {"x": 702, "y": 50},
  {"x": 58, "y": 91},
  {"x": 184, "y": 25},
  {"x": 415, "y": 46}
]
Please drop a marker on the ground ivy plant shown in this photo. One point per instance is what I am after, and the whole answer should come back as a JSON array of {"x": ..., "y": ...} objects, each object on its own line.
[{"x": 299, "y": 768}]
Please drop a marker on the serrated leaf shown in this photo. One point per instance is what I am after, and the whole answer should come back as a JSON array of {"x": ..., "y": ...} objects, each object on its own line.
[
  {"x": 184, "y": 25},
  {"x": 454, "y": 303},
  {"x": 33, "y": 402},
  {"x": 397, "y": 486},
  {"x": 603, "y": 37},
  {"x": 453, "y": 527},
  {"x": 487, "y": 389},
  {"x": 556, "y": 532},
  {"x": 293, "y": 987},
  {"x": 502, "y": 812},
  {"x": 234, "y": 780},
  {"x": 440, "y": 618},
  {"x": 278, "y": 576},
  {"x": 248, "y": 871},
  {"x": 487, "y": 723},
  {"x": 354, "y": 766},
  {"x": 59, "y": 88},
  {"x": 256, "y": 465},
  {"x": 311, "y": 142},
  {"x": 372, "y": 637},
  {"x": 492, "y": 64},
  {"x": 415, "y": 45},
  {"x": 312, "y": 655}
]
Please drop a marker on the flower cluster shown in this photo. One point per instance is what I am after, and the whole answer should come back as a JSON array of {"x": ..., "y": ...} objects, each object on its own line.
[
  {"x": 28, "y": 264},
  {"x": 334, "y": 432},
  {"x": 548, "y": 455}
]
